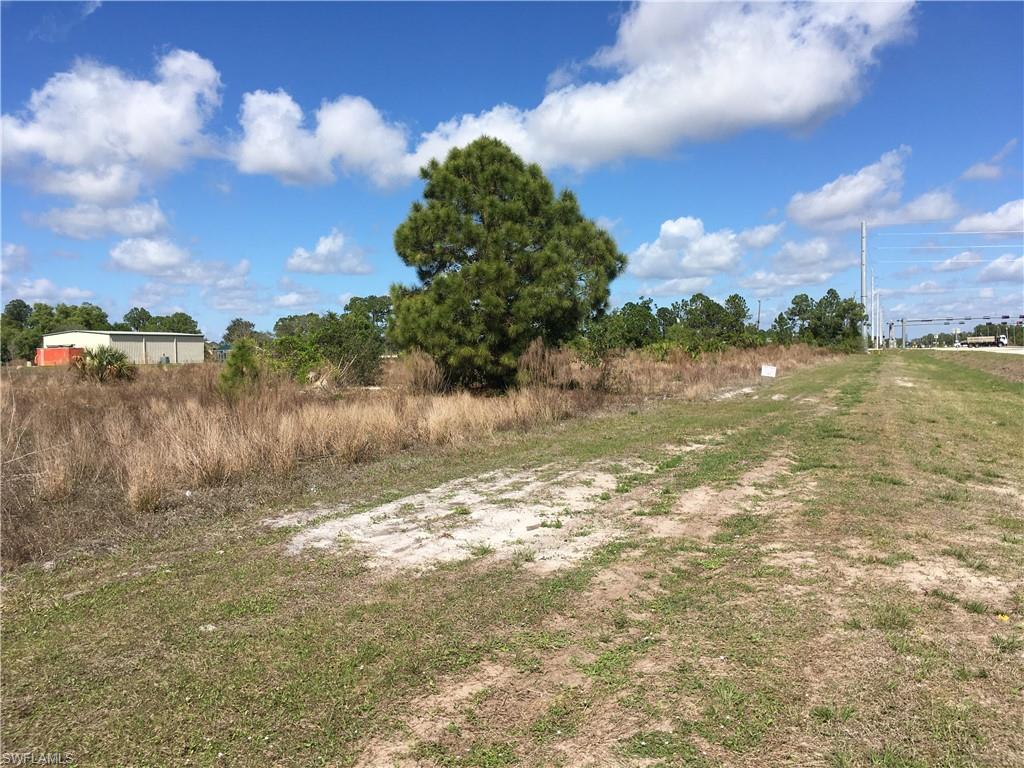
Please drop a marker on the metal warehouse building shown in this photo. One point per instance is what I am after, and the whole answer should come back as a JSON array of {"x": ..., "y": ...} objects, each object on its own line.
[{"x": 140, "y": 346}]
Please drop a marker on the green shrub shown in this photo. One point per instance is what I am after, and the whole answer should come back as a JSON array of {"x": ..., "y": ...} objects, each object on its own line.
[
  {"x": 344, "y": 349},
  {"x": 353, "y": 344},
  {"x": 241, "y": 369},
  {"x": 104, "y": 364}
]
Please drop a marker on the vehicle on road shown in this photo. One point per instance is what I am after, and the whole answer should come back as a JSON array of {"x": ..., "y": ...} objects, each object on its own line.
[{"x": 986, "y": 341}]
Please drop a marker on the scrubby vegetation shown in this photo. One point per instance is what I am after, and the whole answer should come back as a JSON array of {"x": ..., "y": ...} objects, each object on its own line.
[
  {"x": 104, "y": 364},
  {"x": 508, "y": 328},
  {"x": 80, "y": 459}
]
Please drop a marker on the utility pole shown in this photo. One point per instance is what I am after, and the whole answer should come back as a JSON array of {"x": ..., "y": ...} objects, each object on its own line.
[
  {"x": 874, "y": 312},
  {"x": 881, "y": 322},
  {"x": 878, "y": 319},
  {"x": 903, "y": 332},
  {"x": 863, "y": 269},
  {"x": 759, "y": 314}
]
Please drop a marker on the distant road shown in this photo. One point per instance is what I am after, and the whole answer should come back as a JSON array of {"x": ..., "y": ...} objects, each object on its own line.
[{"x": 997, "y": 350}]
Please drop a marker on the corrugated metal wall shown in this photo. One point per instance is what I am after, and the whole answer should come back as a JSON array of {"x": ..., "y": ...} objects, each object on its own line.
[
  {"x": 140, "y": 347},
  {"x": 131, "y": 345},
  {"x": 191, "y": 351},
  {"x": 159, "y": 347}
]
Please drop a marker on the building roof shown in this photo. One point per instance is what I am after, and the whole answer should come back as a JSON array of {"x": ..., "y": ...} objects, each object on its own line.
[{"x": 126, "y": 333}]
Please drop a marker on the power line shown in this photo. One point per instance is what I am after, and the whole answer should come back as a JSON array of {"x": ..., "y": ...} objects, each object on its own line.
[
  {"x": 937, "y": 320},
  {"x": 941, "y": 247},
  {"x": 934, "y": 261},
  {"x": 965, "y": 232}
]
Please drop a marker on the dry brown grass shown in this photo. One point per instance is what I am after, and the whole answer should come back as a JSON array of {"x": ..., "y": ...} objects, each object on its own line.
[
  {"x": 680, "y": 375},
  {"x": 80, "y": 458},
  {"x": 414, "y": 373}
]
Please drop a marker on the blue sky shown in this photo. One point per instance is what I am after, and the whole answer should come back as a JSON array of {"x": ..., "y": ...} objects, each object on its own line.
[{"x": 253, "y": 160}]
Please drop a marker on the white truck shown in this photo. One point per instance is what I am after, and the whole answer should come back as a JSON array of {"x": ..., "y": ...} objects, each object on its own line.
[{"x": 986, "y": 341}]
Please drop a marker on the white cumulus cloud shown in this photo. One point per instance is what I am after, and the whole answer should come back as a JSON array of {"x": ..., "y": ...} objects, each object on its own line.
[
  {"x": 15, "y": 258},
  {"x": 296, "y": 296},
  {"x": 150, "y": 256},
  {"x": 761, "y": 237},
  {"x": 231, "y": 290},
  {"x": 680, "y": 286},
  {"x": 97, "y": 134},
  {"x": 1007, "y": 268},
  {"x": 43, "y": 289},
  {"x": 963, "y": 260},
  {"x": 350, "y": 135},
  {"x": 86, "y": 221},
  {"x": 810, "y": 262},
  {"x": 224, "y": 286},
  {"x": 992, "y": 168},
  {"x": 872, "y": 194},
  {"x": 330, "y": 256},
  {"x": 927, "y": 287},
  {"x": 156, "y": 295},
  {"x": 1008, "y": 217},
  {"x": 679, "y": 72},
  {"x": 684, "y": 249}
]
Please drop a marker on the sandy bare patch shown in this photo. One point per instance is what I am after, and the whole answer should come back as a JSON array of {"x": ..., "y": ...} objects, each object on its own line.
[
  {"x": 542, "y": 514},
  {"x": 794, "y": 559},
  {"x": 922, "y": 575},
  {"x": 430, "y": 714},
  {"x": 729, "y": 394},
  {"x": 930, "y": 574},
  {"x": 1010, "y": 491},
  {"x": 498, "y": 692},
  {"x": 546, "y": 515},
  {"x": 293, "y": 519},
  {"x": 674, "y": 449},
  {"x": 700, "y": 511},
  {"x": 901, "y": 382}
]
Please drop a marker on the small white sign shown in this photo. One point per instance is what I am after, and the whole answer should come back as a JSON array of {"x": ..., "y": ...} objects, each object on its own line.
[{"x": 768, "y": 370}]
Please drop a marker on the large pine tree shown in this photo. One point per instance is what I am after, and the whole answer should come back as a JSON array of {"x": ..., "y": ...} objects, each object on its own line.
[{"x": 501, "y": 261}]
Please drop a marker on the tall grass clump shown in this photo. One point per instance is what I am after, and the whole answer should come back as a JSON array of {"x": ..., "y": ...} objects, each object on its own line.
[{"x": 415, "y": 373}]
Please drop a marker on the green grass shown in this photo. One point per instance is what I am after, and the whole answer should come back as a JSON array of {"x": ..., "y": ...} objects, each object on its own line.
[
  {"x": 660, "y": 745},
  {"x": 561, "y": 719},
  {"x": 1007, "y": 644},
  {"x": 737, "y": 525},
  {"x": 827, "y": 714},
  {"x": 965, "y": 556},
  {"x": 975, "y": 606},
  {"x": 892, "y": 559},
  {"x": 891, "y": 616},
  {"x": 677, "y": 650}
]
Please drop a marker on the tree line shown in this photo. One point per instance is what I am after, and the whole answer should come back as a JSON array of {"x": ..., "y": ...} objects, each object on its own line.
[
  {"x": 22, "y": 326},
  {"x": 365, "y": 331},
  {"x": 501, "y": 261},
  {"x": 1014, "y": 335}
]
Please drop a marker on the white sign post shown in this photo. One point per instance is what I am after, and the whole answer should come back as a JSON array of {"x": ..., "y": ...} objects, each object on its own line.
[{"x": 768, "y": 370}]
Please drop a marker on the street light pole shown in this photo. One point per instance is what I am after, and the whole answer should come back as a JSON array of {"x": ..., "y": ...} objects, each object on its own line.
[{"x": 863, "y": 270}]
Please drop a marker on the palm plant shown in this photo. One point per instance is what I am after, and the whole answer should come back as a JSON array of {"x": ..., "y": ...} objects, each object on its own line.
[{"x": 105, "y": 364}]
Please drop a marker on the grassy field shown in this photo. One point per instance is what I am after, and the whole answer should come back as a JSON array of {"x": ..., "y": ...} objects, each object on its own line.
[
  {"x": 84, "y": 463},
  {"x": 826, "y": 570}
]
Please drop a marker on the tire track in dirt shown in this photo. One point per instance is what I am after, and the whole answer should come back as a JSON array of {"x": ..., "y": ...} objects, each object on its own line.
[{"x": 503, "y": 693}]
